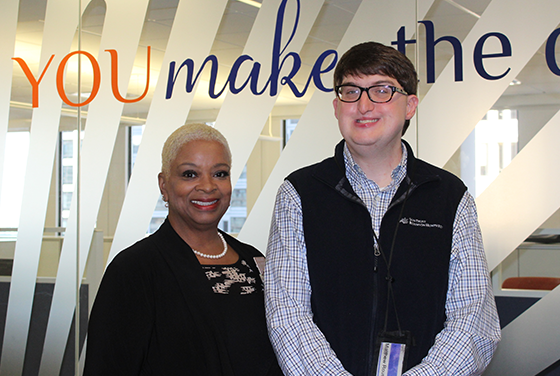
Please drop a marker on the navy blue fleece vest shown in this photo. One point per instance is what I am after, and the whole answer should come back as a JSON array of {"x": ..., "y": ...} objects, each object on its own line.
[{"x": 349, "y": 286}]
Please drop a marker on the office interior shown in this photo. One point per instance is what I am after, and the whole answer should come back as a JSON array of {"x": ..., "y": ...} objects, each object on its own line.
[{"x": 489, "y": 89}]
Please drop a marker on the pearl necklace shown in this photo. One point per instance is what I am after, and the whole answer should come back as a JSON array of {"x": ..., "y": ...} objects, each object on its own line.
[{"x": 214, "y": 256}]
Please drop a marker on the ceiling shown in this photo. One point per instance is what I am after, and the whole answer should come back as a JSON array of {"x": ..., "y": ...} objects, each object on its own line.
[{"x": 455, "y": 18}]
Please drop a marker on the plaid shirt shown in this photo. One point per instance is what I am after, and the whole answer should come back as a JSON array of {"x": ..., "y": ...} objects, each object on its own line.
[{"x": 472, "y": 331}]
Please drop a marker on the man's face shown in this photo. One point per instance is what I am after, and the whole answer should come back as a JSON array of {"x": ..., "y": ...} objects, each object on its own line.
[{"x": 365, "y": 124}]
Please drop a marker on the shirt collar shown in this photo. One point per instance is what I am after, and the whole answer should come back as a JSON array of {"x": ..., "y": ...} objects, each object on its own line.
[{"x": 354, "y": 172}]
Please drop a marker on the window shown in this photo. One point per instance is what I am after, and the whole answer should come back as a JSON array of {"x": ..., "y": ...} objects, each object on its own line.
[
  {"x": 67, "y": 173},
  {"x": 482, "y": 158},
  {"x": 496, "y": 137},
  {"x": 134, "y": 139},
  {"x": 288, "y": 127},
  {"x": 239, "y": 194},
  {"x": 67, "y": 149},
  {"x": 235, "y": 216}
]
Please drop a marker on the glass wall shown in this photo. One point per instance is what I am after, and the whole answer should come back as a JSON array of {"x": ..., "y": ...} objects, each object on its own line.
[{"x": 121, "y": 75}]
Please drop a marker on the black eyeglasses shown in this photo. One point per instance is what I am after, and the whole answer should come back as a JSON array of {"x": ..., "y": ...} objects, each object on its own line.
[{"x": 376, "y": 93}]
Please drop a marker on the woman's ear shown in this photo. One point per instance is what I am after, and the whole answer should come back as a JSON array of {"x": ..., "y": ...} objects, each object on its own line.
[{"x": 162, "y": 185}]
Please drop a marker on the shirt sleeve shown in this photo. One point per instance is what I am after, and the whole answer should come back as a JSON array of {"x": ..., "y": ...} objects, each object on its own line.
[
  {"x": 300, "y": 346},
  {"x": 472, "y": 330}
]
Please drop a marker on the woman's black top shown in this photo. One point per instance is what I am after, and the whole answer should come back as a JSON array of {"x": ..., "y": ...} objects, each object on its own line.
[
  {"x": 156, "y": 314},
  {"x": 239, "y": 288}
]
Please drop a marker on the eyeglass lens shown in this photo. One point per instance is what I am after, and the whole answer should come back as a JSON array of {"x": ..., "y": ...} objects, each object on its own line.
[{"x": 378, "y": 93}]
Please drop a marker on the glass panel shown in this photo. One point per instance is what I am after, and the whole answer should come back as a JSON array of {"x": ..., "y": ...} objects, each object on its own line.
[
  {"x": 501, "y": 134},
  {"x": 17, "y": 145},
  {"x": 528, "y": 102}
]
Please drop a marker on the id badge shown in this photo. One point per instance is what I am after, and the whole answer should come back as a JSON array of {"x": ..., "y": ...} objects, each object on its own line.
[{"x": 392, "y": 348}]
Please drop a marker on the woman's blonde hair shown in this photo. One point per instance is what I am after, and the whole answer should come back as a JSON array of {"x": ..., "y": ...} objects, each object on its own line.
[{"x": 185, "y": 134}]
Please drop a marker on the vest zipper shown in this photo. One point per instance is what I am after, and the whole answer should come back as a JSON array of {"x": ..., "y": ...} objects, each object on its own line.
[
  {"x": 372, "y": 341},
  {"x": 376, "y": 254}
]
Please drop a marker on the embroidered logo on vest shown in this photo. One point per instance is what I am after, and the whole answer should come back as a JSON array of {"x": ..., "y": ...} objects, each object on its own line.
[{"x": 419, "y": 223}]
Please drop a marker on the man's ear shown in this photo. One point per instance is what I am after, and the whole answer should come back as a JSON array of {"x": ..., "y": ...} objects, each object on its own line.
[
  {"x": 411, "y": 105},
  {"x": 335, "y": 105}
]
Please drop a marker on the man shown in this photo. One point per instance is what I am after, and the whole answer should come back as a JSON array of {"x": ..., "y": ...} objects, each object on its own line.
[{"x": 375, "y": 261}]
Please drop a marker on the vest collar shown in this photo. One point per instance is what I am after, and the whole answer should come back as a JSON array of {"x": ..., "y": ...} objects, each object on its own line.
[{"x": 332, "y": 171}]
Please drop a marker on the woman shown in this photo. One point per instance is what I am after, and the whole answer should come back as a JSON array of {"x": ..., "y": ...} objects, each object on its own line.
[{"x": 187, "y": 300}]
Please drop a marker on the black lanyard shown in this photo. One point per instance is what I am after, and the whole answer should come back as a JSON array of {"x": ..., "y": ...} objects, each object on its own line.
[{"x": 389, "y": 277}]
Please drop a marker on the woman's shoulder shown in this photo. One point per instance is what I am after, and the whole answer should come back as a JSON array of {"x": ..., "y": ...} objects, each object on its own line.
[
  {"x": 245, "y": 248},
  {"x": 140, "y": 255}
]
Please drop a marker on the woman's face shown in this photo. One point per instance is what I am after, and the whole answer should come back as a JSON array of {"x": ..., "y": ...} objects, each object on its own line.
[{"x": 198, "y": 188}]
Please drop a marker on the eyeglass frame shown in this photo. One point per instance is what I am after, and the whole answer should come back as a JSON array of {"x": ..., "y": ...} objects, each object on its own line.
[{"x": 366, "y": 89}]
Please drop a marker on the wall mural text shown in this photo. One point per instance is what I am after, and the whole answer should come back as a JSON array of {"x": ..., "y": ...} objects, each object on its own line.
[{"x": 324, "y": 63}]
